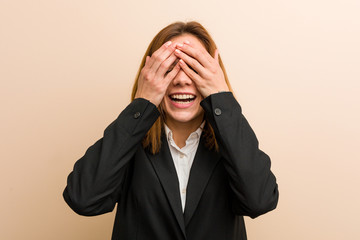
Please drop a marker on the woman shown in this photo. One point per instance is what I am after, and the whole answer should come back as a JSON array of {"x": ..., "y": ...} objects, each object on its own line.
[{"x": 181, "y": 160}]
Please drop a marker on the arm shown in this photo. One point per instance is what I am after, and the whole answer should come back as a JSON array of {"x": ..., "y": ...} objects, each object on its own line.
[
  {"x": 95, "y": 182},
  {"x": 253, "y": 184},
  {"x": 251, "y": 180}
]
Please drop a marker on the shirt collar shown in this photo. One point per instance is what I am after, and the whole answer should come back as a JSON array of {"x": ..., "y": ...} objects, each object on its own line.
[{"x": 196, "y": 134}]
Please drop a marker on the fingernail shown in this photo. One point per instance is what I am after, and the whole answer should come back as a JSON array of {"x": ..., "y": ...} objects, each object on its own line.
[
  {"x": 177, "y": 51},
  {"x": 181, "y": 62},
  {"x": 179, "y": 45},
  {"x": 168, "y": 43},
  {"x": 187, "y": 42}
]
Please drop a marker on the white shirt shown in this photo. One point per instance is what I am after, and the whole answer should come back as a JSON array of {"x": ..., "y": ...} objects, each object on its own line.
[{"x": 183, "y": 158}]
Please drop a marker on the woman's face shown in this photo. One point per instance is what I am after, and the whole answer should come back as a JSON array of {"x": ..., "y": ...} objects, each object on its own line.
[{"x": 181, "y": 102}]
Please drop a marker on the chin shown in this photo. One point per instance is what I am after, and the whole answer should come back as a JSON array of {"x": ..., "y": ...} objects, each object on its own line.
[
  {"x": 181, "y": 118},
  {"x": 185, "y": 117}
]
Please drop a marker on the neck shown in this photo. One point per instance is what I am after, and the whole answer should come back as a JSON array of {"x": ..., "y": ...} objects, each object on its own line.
[{"x": 182, "y": 130}]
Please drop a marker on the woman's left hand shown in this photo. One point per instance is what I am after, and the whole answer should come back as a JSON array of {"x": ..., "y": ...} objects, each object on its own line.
[{"x": 202, "y": 68}]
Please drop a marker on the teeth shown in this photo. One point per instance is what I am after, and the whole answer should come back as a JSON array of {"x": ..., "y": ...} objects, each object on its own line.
[
  {"x": 182, "y": 102},
  {"x": 182, "y": 96}
]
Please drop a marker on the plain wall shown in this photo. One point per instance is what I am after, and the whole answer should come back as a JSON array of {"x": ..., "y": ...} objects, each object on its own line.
[{"x": 66, "y": 71}]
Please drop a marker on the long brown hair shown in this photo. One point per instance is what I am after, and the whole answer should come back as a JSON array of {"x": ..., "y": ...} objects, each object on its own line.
[{"x": 153, "y": 136}]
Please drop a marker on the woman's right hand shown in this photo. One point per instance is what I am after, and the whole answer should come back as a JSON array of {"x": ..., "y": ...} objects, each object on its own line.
[{"x": 155, "y": 76}]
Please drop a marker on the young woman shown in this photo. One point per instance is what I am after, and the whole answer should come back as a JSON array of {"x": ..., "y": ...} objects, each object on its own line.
[{"x": 181, "y": 160}]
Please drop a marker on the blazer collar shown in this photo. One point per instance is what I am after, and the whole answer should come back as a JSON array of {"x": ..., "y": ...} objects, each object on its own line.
[
  {"x": 201, "y": 170},
  {"x": 164, "y": 167},
  {"x": 200, "y": 173}
]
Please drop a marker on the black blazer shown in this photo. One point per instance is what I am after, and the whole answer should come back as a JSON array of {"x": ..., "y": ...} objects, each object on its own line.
[{"x": 223, "y": 187}]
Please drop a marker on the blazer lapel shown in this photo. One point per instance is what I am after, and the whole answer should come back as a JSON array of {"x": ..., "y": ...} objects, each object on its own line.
[
  {"x": 201, "y": 170},
  {"x": 166, "y": 172}
]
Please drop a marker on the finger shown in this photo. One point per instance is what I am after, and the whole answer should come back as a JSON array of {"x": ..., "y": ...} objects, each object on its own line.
[
  {"x": 159, "y": 57},
  {"x": 188, "y": 71},
  {"x": 193, "y": 63},
  {"x": 201, "y": 55},
  {"x": 159, "y": 51},
  {"x": 166, "y": 66}
]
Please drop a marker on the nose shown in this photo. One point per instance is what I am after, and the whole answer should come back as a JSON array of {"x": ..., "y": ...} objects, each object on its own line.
[{"x": 181, "y": 79}]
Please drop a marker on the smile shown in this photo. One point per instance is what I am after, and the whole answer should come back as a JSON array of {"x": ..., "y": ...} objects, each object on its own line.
[{"x": 182, "y": 98}]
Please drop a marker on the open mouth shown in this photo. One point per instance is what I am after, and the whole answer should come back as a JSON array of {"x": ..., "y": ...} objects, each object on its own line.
[{"x": 182, "y": 98}]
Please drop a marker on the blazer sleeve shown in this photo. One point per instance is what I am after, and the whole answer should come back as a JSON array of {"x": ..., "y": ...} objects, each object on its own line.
[
  {"x": 95, "y": 182},
  {"x": 253, "y": 184}
]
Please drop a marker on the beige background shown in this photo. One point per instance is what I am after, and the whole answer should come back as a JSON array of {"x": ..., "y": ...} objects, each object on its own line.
[{"x": 66, "y": 70}]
